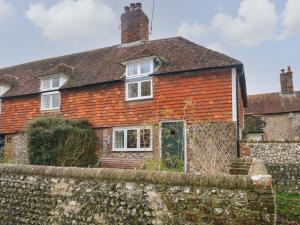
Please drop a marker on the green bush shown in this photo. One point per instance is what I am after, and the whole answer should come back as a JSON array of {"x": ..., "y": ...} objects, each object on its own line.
[
  {"x": 56, "y": 141},
  {"x": 162, "y": 165}
]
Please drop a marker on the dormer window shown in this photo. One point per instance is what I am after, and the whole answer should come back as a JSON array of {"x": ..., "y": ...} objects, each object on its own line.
[
  {"x": 139, "y": 68},
  {"x": 51, "y": 83},
  {"x": 3, "y": 89},
  {"x": 138, "y": 83},
  {"x": 50, "y": 96}
]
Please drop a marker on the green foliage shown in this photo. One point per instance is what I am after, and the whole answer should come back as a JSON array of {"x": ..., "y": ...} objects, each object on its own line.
[
  {"x": 160, "y": 165},
  {"x": 56, "y": 141},
  {"x": 254, "y": 124},
  {"x": 288, "y": 206}
]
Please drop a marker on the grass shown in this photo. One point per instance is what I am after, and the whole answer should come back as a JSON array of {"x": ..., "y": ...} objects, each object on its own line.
[{"x": 288, "y": 207}]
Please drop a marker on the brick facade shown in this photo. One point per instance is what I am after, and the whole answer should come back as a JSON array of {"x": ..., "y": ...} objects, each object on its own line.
[{"x": 192, "y": 97}]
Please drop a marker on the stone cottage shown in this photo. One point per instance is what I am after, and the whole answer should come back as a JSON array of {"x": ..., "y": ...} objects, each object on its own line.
[{"x": 280, "y": 111}]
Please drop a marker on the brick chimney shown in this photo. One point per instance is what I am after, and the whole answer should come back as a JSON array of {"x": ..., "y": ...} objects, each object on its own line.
[
  {"x": 286, "y": 81},
  {"x": 134, "y": 24}
]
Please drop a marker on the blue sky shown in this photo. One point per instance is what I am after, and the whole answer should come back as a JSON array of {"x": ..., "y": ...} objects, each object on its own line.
[{"x": 263, "y": 34}]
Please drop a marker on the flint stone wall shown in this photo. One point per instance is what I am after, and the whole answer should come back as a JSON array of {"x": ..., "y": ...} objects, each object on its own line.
[
  {"x": 51, "y": 195},
  {"x": 282, "y": 161}
]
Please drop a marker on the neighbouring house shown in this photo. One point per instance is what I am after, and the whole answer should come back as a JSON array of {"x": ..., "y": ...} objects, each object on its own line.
[
  {"x": 141, "y": 96},
  {"x": 280, "y": 111}
]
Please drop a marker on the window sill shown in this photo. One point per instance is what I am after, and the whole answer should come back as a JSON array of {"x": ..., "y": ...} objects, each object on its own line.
[
  {"x": 49, "y": 110},
  {"x": 130, "y": 151},
  {"x": 139, "y": 99}
]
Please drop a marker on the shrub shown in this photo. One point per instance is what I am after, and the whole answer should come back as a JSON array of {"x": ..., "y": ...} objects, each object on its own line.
[
  {"x": 163, "y": 165},
  {"x": 56, "y": 141}
]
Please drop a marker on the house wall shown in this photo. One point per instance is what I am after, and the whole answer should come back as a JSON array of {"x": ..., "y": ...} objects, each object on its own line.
[
  {"x": 191, "y": 97},
  {"x": 282, "y": 126},
  {"x": 209, "y": 95}
]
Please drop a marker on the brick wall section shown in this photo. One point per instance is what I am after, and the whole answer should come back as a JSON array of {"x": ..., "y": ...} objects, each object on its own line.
[
  {"x": 105, "y": 106},
  {"x": 49, "y": 195}
]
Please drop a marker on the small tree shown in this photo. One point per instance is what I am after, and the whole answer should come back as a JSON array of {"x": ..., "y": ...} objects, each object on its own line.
[{"x": 56, "y": 141}]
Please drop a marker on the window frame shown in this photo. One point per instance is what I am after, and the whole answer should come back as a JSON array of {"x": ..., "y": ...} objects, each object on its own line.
[
  {"x": 51, "y": 101},
  {"x": 139, "y": 96},
  {"x": 3, "y": 88},
  {"x": 51, "y": 88},
  {"x": 138, "y": 149},
  {"x": 139, "y": 63}
]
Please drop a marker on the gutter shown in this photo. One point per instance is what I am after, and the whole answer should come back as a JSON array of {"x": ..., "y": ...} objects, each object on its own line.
[{"x": 237, "y": 80}]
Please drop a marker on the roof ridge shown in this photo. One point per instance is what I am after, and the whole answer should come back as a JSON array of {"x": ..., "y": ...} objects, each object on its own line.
[
  {"x": 202, "y": 46},
  {"x": 78, "y": 53}
]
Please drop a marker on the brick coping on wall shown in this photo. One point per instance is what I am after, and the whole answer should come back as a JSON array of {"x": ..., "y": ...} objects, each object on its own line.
[{"x": 258, "y": 177}]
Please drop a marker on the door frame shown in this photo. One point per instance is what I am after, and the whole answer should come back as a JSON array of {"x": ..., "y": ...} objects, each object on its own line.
[{"x": 184, "y": 140}]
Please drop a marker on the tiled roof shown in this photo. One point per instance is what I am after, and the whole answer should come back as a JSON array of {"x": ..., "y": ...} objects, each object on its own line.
[
  {"x": 273, "y": 103},
  {"x": 104, "y": 65}
]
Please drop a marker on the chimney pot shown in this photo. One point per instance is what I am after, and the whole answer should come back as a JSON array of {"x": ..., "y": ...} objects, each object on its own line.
[
  {"x": 126, "y": 9},
  {"x": 282, "y": 70},
  {"x": 132, "y": 6},
  {"x": 289, "y": 69},
  {"x": 138, "y": 5}
]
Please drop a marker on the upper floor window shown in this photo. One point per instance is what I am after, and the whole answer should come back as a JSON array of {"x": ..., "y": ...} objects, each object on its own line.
[
  {"x": 51, "y": 97},
  {"x": 3, "y": 89},
  {"x": 51, "y": 83},
  {"x": 138, "y": 83},
  {"x": 50, "y": 100},
  {"x": 139, "y": 68}
]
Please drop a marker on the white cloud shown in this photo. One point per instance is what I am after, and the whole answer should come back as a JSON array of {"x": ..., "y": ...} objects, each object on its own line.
[
  {"x": 256, "y": 22},
  {"x": 193, "y": 31},
  {"x": 6, "y": 11},
  {"x": 216, "y": 47},
  {"x": 291, "y": 19},
  {"x": 73, "y": 19}
]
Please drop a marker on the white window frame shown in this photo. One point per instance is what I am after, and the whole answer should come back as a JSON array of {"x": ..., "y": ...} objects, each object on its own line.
[
  {"x": 3, "y": 89},
  {"x": 139, "y": 97},
  {"x": 62, "y": 80},
  {"x": 51, "y": 101},
  {"x": 125, "y": 149},
  {"x": 139, "y": 63}
]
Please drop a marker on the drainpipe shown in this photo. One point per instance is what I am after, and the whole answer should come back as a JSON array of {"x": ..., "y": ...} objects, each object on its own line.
[{"x": 238, "y": 117}]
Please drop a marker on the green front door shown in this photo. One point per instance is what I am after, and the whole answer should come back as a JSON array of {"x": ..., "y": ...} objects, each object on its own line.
[{"x": 172, "y": 145}]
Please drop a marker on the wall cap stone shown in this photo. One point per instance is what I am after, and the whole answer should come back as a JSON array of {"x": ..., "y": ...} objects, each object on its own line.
[{"x": 155, "y": 177}]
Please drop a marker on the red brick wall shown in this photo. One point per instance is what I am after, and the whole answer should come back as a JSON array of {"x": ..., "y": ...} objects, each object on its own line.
[{"x": 189, "y": 97}]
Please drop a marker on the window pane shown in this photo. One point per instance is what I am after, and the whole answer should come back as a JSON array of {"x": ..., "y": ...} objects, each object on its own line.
[
  {"x": 55, "y": 82},
  {"x": 146, "y": 88},
  {"x": 133, "y": 90},
  {"x": 145, "y": 138},
  {"x": 146, "y": 67},
  {"x": 56, "y": 100},
  {"x": 132, "y": 70},
  {"x": 46, "y": 84},
  {"x": 131, "y": 138},
  {"x": 119, "y": 139},
  {"x": 46, "y": 101}
]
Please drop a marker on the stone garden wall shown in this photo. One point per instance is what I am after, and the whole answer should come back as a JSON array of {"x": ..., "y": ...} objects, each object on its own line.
[
  {"x": 282, "y": 161},
  {"x": 51, "y": 195}
]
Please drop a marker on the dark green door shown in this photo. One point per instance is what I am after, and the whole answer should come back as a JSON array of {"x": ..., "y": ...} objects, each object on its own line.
[{"x": 172, "y": 145}]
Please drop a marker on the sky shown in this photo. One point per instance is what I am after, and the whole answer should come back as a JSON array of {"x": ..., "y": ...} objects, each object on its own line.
[{"x": 263, "y": 34}]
